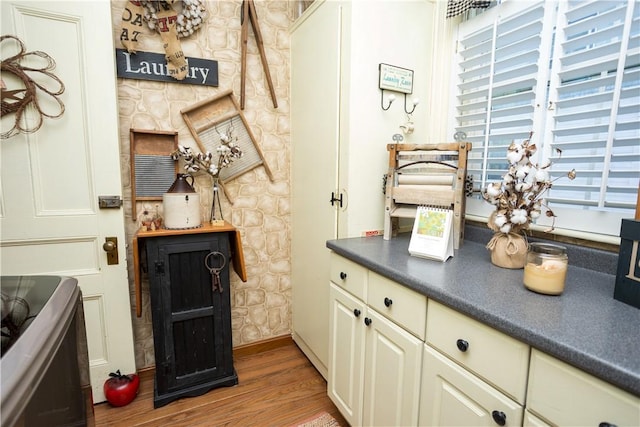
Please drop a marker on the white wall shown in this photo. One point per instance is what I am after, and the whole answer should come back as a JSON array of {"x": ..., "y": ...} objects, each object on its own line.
[{"x": 407, "y": 34}]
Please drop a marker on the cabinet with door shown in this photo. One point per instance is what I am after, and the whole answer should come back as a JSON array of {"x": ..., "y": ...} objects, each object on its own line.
[
  {"x": 472, "y": 374},
  {"x": 475, "y": 375},
  {"x": 191, "y": 310},
  {"x": 375, "y": 350},
  {"x": 339, "y": 135}
]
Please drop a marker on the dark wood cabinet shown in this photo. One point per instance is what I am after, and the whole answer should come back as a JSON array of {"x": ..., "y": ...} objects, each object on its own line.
[{"x": 191, "y": 312}]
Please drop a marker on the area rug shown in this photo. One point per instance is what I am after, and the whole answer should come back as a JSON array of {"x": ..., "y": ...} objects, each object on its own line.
[{"x": 322, "y": 419}]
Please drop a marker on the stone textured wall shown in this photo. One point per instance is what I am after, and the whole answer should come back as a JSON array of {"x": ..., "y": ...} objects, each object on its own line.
[{"x": 261, "y": 208}]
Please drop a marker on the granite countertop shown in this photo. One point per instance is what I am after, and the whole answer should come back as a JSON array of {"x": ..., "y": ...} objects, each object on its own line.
[{"x": 585, "y": 326}]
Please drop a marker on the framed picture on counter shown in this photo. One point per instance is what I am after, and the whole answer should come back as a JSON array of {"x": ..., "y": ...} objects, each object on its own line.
[{"x": 627, "y": 287}]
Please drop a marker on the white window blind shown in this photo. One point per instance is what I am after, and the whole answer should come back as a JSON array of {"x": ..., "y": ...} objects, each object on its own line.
[{"x": 569, "y": 72}]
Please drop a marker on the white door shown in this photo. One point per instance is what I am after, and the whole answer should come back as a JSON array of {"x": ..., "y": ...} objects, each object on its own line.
[
  {"x": 50, "y": 222},
  {"x": 392, "y": 374},
  {"x": 315, "y": 89},
  {"x": 451, "y": 396},
  {"x": 346, "y": 353}
]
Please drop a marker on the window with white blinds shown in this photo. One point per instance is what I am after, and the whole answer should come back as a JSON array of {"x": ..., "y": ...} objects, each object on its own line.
[{"x": 570, "y": 72}]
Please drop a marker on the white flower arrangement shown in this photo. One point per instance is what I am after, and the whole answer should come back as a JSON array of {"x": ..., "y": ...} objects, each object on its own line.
[
  {"x": 189, "y": 18},
  {"x": 227, "y": 152},
  {"x": 518, "y": 197}
]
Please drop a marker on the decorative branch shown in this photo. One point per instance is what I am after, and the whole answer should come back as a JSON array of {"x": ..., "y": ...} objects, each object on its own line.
[
  {"x": 227, "y": 151},
  {"x": 518, "y": 197}
]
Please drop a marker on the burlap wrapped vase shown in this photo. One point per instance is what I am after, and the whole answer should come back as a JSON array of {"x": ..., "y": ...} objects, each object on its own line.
[{"x": 508, "y": 250}]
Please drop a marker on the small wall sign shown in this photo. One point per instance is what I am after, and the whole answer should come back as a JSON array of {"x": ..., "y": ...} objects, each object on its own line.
[
  {"x": 153, "y": 66},
  {"x": 395, "y": 78},
  {"x": 627, "y": 287}
]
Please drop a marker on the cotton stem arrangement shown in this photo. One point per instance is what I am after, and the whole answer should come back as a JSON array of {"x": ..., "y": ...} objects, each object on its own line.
[
  {"x": 208, "y": 162},
  {"x": 518, "y": 197}
]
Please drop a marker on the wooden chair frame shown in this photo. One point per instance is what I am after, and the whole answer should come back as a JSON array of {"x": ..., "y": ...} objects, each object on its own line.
[{"x": 446, "y": 189}]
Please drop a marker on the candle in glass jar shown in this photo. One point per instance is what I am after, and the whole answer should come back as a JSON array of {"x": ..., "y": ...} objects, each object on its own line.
[{"x": 546, "y": 268}]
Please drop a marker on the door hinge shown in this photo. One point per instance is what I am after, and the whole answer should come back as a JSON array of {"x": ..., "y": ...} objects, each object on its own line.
[{"x": 159, "y": 267}]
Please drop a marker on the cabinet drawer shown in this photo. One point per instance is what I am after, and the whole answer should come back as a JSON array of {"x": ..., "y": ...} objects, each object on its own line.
[
  {"x": 399, "y": 304},
  {"x": 492, "y": 355},
  {"x": 563, "y": 395},
  {"x": 348, "y": 275}
]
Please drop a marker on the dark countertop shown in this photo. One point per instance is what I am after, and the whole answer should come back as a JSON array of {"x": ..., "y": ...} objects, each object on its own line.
[{"x": 585, "y": 326}]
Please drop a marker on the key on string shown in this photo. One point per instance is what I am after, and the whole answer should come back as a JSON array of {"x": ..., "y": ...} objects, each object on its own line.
[{"x": 216, "y": 285}]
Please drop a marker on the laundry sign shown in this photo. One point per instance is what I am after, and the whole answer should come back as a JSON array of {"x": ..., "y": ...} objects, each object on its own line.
[
  {"x": 153, "y": 66},
  {"x": 395, "y": 78}
]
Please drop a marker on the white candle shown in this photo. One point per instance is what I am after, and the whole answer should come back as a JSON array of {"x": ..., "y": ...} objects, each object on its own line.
[{"x": 547, "y": 277}]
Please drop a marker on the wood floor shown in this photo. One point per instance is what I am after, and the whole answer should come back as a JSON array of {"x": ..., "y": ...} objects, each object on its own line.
[{"x": 276, "y": 387}]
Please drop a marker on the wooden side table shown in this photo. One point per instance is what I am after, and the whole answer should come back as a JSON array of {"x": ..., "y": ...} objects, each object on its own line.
[{"x": 191, "y": 307}]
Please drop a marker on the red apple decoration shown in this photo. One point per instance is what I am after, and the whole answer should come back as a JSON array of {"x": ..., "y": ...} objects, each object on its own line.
[{"x": 120, "y": 389}]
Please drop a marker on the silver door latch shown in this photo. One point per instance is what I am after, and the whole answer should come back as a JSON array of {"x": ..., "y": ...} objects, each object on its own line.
[{"x": 109, "y": 202}]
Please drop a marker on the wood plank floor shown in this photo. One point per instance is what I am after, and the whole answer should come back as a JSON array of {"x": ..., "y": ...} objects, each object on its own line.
[{"x": 276, "y": 387}]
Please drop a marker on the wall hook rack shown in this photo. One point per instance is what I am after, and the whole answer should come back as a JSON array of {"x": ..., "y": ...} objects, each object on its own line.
[
  {"x": 395, "y": 79},
  {"x": 416, "y": 101},
  {"x": 391, "y": 98}
]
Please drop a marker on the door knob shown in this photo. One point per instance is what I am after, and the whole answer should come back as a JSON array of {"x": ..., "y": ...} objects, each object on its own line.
[
  {"x": 499, "y": 417},
  {"x": 462, "y": 345},
  {"x": 110, "y": 246}
]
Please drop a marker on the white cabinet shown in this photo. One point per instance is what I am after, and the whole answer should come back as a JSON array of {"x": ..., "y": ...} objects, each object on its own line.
[
  {"x": 374, "y": 363},
  {"x": 346, "y": 358},
  {"x": 401, "y": 305},
  {"x": 397, "y": 359},
  {"x": 348, "y": 275},
  {"x": 452, "y": 396},
  {"x": 566, "y": 396},
  {"x": 531, "y": 420},
  {"x": 471, "y": 374},
  {"x": 315, "y": 91},
  {"x": 493, "y": 356},
  {"x": 339, "y": 135},
  {"x": 392, "y": 363}
]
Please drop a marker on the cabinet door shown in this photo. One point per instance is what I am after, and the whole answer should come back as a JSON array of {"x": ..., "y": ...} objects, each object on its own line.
[
  {"x": 346, "y": 353},
  {"x": 452, "y": 396},
  {"x": 393, "y": 361},
  {"x": 531, "y": 420},
  {"x": 191, "y": 321},
  {"x": 315, "y": 90}
]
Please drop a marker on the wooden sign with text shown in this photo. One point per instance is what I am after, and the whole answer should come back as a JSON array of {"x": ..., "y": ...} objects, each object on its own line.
[
  {"x": 627, "y": 287},
  {"x": 153, "y": 66},
  {"x": 395, "y": 78}
]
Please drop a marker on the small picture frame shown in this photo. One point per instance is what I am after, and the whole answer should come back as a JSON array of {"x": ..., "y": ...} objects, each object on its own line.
[
  {"x": 394, "y": 78},
  {"x": 627, "y": 287}
]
